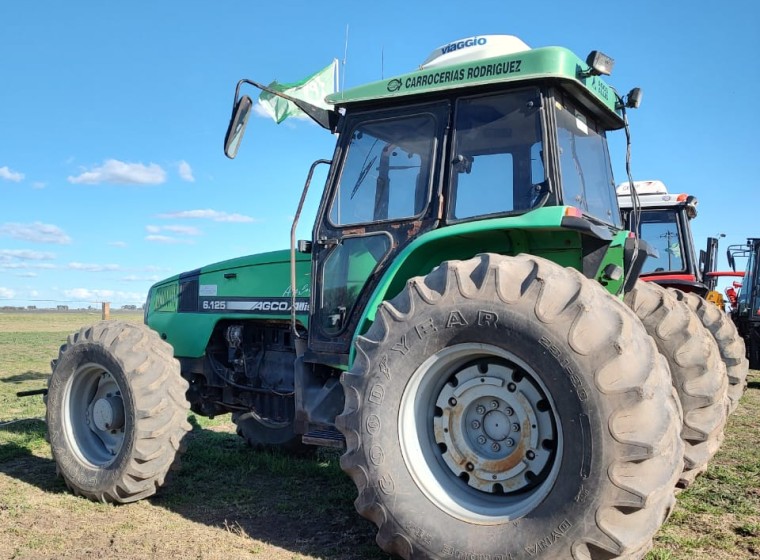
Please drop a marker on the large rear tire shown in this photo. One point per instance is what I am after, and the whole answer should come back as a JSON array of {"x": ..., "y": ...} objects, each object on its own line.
[
  {"x": 730, "y": 344},
  {"x": 698, "y": 373},
  {"x": 505, "y": 407},
  {"x": 116, "y": 412}
]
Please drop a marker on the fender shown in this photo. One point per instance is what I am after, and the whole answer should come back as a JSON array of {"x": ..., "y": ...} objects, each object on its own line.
[{"x": 543, "y": 232}]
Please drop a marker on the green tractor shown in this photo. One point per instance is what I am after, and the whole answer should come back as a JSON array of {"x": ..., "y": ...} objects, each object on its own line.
[{"x": 456, "y": 324}]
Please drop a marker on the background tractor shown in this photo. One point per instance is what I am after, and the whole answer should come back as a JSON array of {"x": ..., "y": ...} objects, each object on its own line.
[
  {"x": 745, "y": 308},
  {"x": 456, "y": 323},
  {"x": 665, "y": 222}
]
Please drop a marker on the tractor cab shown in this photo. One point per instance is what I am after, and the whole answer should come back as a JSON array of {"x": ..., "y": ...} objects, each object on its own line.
[
  {"x": 489, "y": 146},
  {"x": 665, "y": 223}
]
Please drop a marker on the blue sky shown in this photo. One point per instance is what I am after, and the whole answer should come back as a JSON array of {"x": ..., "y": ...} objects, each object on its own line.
[{"x": 112, "y": 117}]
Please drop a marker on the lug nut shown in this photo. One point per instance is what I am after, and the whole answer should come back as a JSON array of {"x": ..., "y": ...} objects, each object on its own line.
[
  {"x": 495, "y": 447},
  {"x": 509, "y": 411},
  {"x": 494, "y": 404},
  {"x": 475, "y": 424},
  {"x": 515, "y": 427},
  {"x": 480, "y": 409},
  {"x": 481, "y": 440},
  {"x": 510, "y": 442}
]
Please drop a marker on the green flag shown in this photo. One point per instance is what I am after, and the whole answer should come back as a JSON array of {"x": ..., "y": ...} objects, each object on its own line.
[{"x": 313, "y": 90}]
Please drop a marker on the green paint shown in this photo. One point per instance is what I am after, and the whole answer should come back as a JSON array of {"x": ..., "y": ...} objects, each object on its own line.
[{"x": 556, "y": 63}]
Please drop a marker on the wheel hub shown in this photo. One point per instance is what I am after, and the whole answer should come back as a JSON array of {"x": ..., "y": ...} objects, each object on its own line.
[
  {"x": 96, "y": 417},
  {"x": 491, "y": 430},
  {"x": 108, "y": 413}
]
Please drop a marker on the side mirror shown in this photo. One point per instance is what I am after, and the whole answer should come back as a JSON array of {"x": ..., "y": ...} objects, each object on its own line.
[
  {"x": 730, "y": 258},
  {"x": 235, "y": 130}
]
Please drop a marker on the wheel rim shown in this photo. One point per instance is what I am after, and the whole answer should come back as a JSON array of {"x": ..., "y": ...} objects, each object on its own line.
[
  {"x": 479, "y": 433},
  {"x": 94, "y": 420}
]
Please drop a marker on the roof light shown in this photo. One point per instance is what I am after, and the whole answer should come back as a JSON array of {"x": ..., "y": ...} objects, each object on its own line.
[
  {"x": 573, "y": 211},
  {"x": 599, "y": 64},
  {"x": 691, "y": 206}
]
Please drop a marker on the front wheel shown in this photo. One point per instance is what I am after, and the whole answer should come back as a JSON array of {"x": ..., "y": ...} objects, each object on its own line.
[
  {"x": 116, "y": 412},
  {"x": 698, "y": 373},
  {"x": 494, "y": 410},
  {"x": 730, "y": 344}
]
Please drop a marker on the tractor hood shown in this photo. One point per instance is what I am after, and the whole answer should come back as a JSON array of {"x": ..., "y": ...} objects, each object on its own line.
[{"x": 250, "y": 287}]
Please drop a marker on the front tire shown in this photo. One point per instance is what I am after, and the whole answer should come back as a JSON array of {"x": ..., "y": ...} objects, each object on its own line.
[
  {"x": 494, "y": 410},
  {"x": 116, "y": 412}
]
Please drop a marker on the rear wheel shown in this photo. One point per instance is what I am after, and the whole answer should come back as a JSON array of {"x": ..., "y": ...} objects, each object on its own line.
[
  {"x": 698, "y": 373},
  {"x": 494, "y": 410},
  {"x": 730, "y": 344},
  {"x": 116, "y": 412}
]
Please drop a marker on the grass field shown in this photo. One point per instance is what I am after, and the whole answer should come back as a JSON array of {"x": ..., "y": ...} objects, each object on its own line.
[{"x": 230, "y": 502}]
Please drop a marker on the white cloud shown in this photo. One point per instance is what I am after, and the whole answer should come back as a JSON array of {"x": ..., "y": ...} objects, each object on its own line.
[
  {"x": 185, "y": 171},
  {"x": 87, "y": 295},
  {"x": 135, "y": 278},
  {"x": 93, "y": 267},
  {"x": 15, "y": 265},
  {"x": 27, "y": 275},
  {"x": 208, "y": 214},
  {"x": 10, "y": 175},
  {"x": 36, "y": 232},
  {"x": 117, "y": 243},
  {"x": 39, "y": 185},
  {"x": 6, "y": 293},
  {"x": 166, "y": 240},
  {"x": 184, "y": 230},
  {"x": 119, "y": 172},
  {"x": 25, "y": 254}
]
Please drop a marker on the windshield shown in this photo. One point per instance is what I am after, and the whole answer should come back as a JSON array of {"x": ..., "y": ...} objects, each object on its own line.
[
  {"x": 587, "y": 181},
  {"x": 386, "y": 172},
  {"x": 497, "y": 164},
  {"x": 660, "y": 229}
]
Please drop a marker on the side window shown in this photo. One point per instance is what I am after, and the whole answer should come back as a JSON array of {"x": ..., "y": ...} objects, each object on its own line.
[
  {"x": 587, "y": 180},
  {"x": 488, "y": 185},
  {"x": 386, "y": 171},
  {"x": 497, "y": 159}
]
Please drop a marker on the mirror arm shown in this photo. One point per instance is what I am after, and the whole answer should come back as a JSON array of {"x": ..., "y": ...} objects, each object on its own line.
[{"x": 323, "y": 117}]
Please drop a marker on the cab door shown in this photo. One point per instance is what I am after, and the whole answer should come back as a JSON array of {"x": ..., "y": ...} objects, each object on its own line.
[{"x": 384, "y": 192}]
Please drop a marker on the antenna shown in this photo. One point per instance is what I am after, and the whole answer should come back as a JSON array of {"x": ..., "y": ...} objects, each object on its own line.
[
  {"x": 345, "y": 55},
  {"x": 382, "y": 62}
]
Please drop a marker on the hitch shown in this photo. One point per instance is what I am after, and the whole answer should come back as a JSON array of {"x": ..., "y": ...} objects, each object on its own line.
[{"x": 32, "y": 393}]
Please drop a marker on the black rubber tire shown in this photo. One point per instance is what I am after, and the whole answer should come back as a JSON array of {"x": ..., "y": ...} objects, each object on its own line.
[
  {"x": 586, "y": 370},
  {"x": 698, "y": 373},
  {"x": 261, "y": 435},
  {"x": 100, "y": 456},
  {"x": 730, "y": 344}
]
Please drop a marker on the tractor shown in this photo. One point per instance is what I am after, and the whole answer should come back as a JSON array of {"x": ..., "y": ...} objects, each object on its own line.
[
  {"x": 665, "y": 222},
  {"x": 466, "y": 323},
  {"x": 745, "y": 308}
]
